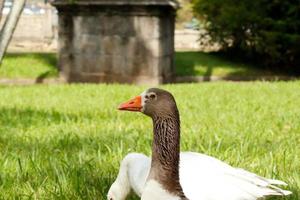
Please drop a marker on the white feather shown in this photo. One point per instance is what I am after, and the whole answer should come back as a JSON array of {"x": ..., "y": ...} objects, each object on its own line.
[
  {"x": 154, "y": 190},
  {"x": 202, "y": 178}
]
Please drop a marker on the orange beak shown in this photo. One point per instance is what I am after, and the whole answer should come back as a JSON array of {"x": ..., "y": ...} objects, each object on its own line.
[{"x": 134, "y": 104}]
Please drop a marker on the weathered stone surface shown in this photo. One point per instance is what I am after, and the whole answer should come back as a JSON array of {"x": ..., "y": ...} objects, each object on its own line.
[
  {"x": 167, "y": 67},
  {"x": 113, "y": 45},
  {"x": 133, "y": 47},
  {"x": 65, "y": 24},
  {"x": 172, "y": 3},
  {"x": 116, "y": 41},
  {"x": 147, "y": 27},
  {"x": 64, "y": 65},
  {"x": 120, "y": 25},
  {"x": 86, "y": 63},
  {"x": 86, "y": 44},
  {"x": 89, "y": 24}
]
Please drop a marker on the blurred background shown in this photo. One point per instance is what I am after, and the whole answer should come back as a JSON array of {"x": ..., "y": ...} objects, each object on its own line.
[
  {"x": 214, "y": 40},
  {"x": 66, "y": 141}
]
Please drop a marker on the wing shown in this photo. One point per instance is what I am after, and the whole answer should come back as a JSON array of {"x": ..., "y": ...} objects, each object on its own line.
[
  {"x": 138, "y": 170},
  {"x": 205, "y": 178}
]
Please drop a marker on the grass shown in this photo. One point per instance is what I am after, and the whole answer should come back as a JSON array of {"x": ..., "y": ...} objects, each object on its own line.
[
  {"x": 43, "y": 65},
  {"x": 213, "y": 64},
  {"x": 66, "y": 141},
  {"x": 29, "y": 65}
]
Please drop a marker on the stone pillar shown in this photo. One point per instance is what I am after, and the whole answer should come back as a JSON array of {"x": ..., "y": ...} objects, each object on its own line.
[{"x": 124, "y": 41}]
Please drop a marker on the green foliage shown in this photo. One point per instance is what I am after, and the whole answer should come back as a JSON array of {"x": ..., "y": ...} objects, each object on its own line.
[
  {"x": 66, "y": 141},
  {"x": 269, "y": 30},
  {"x": 184, "y": 14}
]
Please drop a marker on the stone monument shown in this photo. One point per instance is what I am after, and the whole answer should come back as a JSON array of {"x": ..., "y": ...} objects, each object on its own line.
[{"x": 124, "y": 41}]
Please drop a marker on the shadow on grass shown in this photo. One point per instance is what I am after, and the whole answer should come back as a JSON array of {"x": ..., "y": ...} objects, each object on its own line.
[
  {"x": 42, "y": 65},
  {"x": 43, "y": 76},
  {"x": 14, "y": 117},
  {"x": 217, "y": 64},
  {"x": 186, "y": 63},
  {"x": 49, "y": 58}
]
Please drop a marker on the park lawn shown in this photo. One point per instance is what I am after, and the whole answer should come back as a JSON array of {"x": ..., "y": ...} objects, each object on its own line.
[
  {"x": 66, "y": 141},
  {"x": 29, "y": 65},
  {"x": 43, "y": 65},
  {"x": 215, "y": 64}
]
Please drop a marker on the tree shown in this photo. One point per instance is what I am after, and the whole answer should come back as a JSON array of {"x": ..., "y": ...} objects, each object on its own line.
[
  {"x": 268, "y": 30},
  {"x": 10, "y": 25},
  {"x": 1, "y": 8}
]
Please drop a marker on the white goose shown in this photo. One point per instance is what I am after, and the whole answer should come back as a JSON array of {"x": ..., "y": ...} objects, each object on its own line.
[{"x": 201, "y": 177}]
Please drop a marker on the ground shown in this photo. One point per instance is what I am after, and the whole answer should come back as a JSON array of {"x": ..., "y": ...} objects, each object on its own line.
[
  {"x": 44, "y": 65},
  {"x": 189, "y": 63},
  {"x": 66, "y": 141},
  {"x": 29, "y": 65}
]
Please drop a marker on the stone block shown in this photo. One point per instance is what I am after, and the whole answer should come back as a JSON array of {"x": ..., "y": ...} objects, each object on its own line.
[
  {"x": 118, "y": 65},
  {"x": 64, "y": 43},
  {"x": 154, "y": 46},
  {"x": 64, "y": 62},
  {"x": 116, "y": 41},
  {"x": 89, "y": 24},
  {"x": 166, "y": 66},
  {"x": 122, "y": 26},
  {"x": 167, "y": 44},
  {"x": 86, "y": 44},
  {"x": 88, "y": 63},
  {"x": 65, "y": 23},
  {"x": 112, "y": 45},
  {"x": 147, "y": 27},
  {"x": 132, "y": 48}
]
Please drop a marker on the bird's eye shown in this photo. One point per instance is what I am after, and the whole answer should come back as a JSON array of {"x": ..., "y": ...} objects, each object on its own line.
[
  {"x": 152, "y": 96},
  {"x": 146, "y": 97}
]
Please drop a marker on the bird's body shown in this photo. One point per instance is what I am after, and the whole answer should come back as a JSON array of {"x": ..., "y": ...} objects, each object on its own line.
[
  {"x": 202, "y": 178},
  {"x": 171, "y": 175}
]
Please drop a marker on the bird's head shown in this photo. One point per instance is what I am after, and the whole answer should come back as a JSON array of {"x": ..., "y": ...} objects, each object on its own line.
[{"x": 152, "y": 102}]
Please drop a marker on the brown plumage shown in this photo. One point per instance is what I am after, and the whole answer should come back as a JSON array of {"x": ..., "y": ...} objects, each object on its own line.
[
  {"x": 166, "y": 141},
  {"x": 164, "y": 170}
]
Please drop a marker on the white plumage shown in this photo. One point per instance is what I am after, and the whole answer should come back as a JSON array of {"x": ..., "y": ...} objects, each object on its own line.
[{"x": 202, "y": 178}]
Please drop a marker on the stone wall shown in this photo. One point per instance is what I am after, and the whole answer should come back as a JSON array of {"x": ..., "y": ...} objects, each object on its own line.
[
  {"x": 116, "y": 42},
  {"x": 34, "y": 30}
]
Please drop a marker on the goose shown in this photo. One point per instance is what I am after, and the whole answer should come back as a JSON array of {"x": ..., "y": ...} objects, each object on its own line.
[{"x": 196, "y": 177}]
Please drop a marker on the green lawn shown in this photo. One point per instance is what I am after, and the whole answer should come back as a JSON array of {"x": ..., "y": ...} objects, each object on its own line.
[
  {"x": 43, "y": 65},
  {"x": 29, "y": 65},
  {"x": 66, "y": 141},
  {"x": 212, "y": 64}
]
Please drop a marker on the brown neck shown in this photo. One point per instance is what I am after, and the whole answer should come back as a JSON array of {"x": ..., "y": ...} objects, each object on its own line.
[{"x": 165, "y": 153}]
